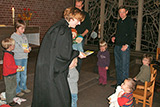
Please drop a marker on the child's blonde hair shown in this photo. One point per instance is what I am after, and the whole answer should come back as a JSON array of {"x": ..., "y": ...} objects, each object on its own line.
[
  {"x": 148, "y": 56},
  {"x": 6, "y": 43},
  {"x": 103, "y": 43},
  {"x": 132, "y": 84}
]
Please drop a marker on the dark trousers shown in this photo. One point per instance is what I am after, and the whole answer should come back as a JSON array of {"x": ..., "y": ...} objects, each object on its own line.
[
  {"x": 11, "y": 85},
  {"x": 80, "y": 60},
  {"x": 122, "y": 59},
  {"x": 79, "y": 64}
]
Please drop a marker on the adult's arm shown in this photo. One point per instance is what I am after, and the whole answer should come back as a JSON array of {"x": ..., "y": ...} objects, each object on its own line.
[{"x": 65, "y": 53}]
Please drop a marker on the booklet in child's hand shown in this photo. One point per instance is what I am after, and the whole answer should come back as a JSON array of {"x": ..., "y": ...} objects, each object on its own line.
[
  {"x": 19, "y": 70},
  {"x": 88, "y": 52}
]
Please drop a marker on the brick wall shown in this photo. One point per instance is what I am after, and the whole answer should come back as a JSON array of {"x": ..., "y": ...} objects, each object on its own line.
[{"x": 48, "y": 12}]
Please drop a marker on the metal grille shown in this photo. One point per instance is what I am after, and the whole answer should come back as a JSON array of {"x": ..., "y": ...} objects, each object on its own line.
[{"x": 150, "y": 27}]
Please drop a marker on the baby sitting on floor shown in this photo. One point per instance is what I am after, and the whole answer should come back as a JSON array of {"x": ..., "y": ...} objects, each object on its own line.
[{"x": 113, "y": 98}]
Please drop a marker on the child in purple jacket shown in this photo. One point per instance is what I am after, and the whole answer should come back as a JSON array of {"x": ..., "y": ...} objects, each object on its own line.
[{"x": 103, "y": 63}]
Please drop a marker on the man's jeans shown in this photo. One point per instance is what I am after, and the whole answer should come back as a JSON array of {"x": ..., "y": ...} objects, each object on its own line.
[
  {"x": 122, "y": 59},
  {"x": 21, "y": 76}
]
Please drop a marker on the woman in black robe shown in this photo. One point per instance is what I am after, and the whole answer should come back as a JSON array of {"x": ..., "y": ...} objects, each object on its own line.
[{"x": 50, "y": 85}]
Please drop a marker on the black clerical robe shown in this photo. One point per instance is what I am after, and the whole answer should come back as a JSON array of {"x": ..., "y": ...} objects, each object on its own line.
[{"x": 50, "y": 84}]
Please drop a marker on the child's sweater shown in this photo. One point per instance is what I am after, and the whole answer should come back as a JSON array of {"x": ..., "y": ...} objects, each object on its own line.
[
  {"x": 20, "y": 42},
  {"x": 126, "y": 100},
  {"x": 9, "y": 65},
  {"x": 144, "y": 74}
]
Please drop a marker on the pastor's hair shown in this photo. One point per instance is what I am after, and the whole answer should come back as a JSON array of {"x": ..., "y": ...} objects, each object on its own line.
[{"x": 73, "y": 12}]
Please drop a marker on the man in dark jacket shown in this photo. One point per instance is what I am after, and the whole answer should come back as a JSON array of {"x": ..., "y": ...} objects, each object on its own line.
[
  {"x": 84, "y": 28},
  {"x": 123, "y": 37},
  {"x": 50, "y": 86}
]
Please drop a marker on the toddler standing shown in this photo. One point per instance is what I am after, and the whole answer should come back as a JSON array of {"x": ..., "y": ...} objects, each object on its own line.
[
  {"x": 9, "y": 70},
  {"x": 73, "y": 77},
  {"x": 21, "y": 55},
  {"x": 103, "y": 63}
]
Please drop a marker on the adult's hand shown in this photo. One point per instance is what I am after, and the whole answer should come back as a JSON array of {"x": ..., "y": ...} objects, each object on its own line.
[
  {"x": 82, "y": 55},
  {"x": 124, "y": 47},
  {"x": 113, "y": 39}
]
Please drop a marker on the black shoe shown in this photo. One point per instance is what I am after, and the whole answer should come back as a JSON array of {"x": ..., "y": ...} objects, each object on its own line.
[
  {"x": 114, "y": 86},
  {"x": 103, "y": 85},
  {"x": 13, "y": 103},
  {"x": 110, "y": 78}
]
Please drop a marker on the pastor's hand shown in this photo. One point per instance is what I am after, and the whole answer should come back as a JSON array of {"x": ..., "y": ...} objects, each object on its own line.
[{"x": 82, "y": 55}]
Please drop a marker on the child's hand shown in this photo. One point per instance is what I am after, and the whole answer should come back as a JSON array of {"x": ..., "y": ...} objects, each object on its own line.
[
  {"x": 29, "y": 49},
  {"x": 79, "y": 39},
  {"x": 135, "y": 78},
  {"x": 106, "y": 68},
  {"x": 73, "y": 63},
  {"x": 109, "y": 99},
  {"x": 120, "y": 94},
  {"x": 82, "y": 55},
  {"x": 19, "y": 66},
  {"x": 26, "y": 51}
]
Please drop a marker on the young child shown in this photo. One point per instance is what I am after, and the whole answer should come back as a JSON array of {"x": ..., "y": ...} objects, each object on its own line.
[
  {"x": 125, "y": 99},
  {"x": 73, "y": 77},
  {"x": 77, "y": 40},
  {"x": 103, "y": 63},
  {"x": 145, "y": 73},
  {"x": 9, "y": 70},
  {"x": 21, "y": 55},
  {"x": 113, "y": 98}
]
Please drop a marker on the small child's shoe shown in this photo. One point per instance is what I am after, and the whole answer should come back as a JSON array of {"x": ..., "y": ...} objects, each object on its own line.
[
  {"x": 99, "y": 83},
  {"x": 20, "y": 94},
  {"x": 13, "y": 103},
  {"x": 26, "y": 91}
]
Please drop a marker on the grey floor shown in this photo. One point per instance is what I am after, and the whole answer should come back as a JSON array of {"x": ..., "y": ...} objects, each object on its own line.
[{"x": 90, "y": 93}]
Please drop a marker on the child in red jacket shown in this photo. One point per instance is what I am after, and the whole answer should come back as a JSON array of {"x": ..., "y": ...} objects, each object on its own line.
[{"x": 9, "y": 70}]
